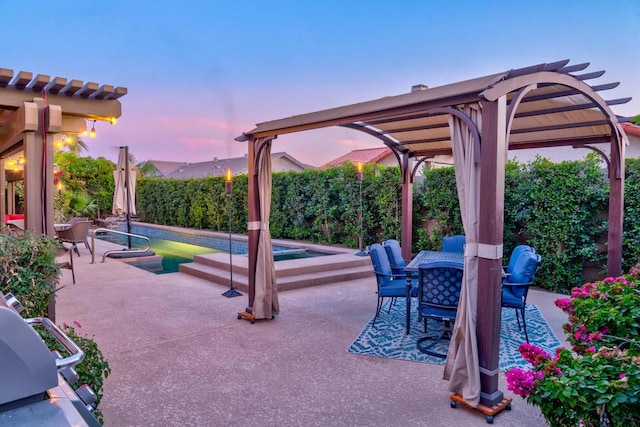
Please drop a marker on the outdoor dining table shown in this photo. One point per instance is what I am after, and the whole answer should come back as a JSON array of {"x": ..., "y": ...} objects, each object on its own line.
[{"x": 414, "y": 266}]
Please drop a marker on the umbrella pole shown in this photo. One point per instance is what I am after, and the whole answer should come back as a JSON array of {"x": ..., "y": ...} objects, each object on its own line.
[
  {"x": 126, "y": 185},
  {"x": 232, "y": 292}
]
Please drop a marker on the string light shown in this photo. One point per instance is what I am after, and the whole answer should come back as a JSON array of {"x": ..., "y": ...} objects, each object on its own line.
[
  {"x": 112, "y": 120},
  {"x": 92, "y": 134}
]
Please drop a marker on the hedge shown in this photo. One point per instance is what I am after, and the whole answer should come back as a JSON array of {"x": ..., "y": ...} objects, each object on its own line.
[{"x": 558, "y": 208}]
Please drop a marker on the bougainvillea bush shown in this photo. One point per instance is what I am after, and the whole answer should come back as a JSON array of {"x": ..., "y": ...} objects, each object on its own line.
[{"x": 597, "y": 382}]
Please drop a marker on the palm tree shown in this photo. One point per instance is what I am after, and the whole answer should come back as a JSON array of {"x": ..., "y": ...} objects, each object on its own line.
[{"x": 74, "y": 144}]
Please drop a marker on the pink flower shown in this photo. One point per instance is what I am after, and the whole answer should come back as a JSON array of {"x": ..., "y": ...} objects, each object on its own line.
[
  {"x": 77, "y": 324},
  {"x": 563, "y": 303},
  {"x": 522, "y": 382},
  {"x": 532, "y": 354}
]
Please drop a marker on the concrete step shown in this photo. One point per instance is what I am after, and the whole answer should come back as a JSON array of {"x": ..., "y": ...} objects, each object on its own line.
[
  {"x": 290, "y": 274},
  {"x": 286, "y": 268}
]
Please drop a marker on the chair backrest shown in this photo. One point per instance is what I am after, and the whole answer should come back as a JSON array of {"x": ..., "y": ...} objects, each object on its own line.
[
  {"x": 73, "y": 220},
  {"x": 516, "y": 253},
  {"x": 394, "y": 253},
  {"x": 523, "y": 272},
  {"x": 439, "y": 284},
  {"x": 453, "y": 243},
  {"x": 381, "y": 264},
  {"x": 77, "y": 233}
]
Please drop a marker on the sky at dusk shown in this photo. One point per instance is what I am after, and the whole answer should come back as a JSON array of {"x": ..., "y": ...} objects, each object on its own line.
[{"x": 199, "y": 73}]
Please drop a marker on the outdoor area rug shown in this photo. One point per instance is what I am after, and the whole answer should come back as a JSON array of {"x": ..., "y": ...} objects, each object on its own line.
[{"x": 388, "y": 337}]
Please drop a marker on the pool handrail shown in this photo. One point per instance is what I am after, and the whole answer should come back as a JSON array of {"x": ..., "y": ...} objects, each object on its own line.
[{"x": 109, "y": 230}]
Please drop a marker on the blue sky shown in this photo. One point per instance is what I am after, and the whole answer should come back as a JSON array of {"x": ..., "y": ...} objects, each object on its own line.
[{"x": 199, "y": 73}]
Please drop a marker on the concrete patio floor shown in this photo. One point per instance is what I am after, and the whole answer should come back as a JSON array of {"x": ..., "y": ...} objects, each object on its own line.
[{"x": 180, "y": 357}]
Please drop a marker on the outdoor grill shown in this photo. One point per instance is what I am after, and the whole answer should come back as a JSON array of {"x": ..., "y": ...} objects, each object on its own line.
[{"x": 35, "y": 383}]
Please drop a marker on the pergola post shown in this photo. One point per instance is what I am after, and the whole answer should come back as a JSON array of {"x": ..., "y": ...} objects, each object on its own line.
[
  {"x": 490, "y": 232},
  {"x": 407, "y": 206},
  {"x": 616, "y": 206},
  {"x": 253, "y": 226}
]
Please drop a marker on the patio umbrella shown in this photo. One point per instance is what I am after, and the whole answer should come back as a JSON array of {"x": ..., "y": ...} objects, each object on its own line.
[
  {"x": 462, "y": 364},
  {"x": 124, "y": 194},
  {"x": 265, "y": 302}
]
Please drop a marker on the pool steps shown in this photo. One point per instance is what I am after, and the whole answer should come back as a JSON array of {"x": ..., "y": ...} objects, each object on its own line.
[{"x": 290, "y": 274}]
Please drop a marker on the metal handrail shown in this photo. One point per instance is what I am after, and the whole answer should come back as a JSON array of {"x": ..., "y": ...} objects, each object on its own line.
[
  {"x": 108, "y": 230},
  {"x": 76, "y": 353}
]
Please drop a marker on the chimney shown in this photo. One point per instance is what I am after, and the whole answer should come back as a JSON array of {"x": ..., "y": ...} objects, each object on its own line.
[{"x": 418, "y": 87}]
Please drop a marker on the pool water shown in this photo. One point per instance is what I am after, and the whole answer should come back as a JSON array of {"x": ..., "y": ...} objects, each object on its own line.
[
  {"x": 176, "y": 253},
  {"x": 173, "y": 253}
]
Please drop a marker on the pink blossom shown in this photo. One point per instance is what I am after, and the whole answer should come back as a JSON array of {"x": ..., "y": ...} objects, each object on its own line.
[
  {"x": 532, "y": 354},
  {"x": 563, "y": 303},
  {"x": 522, "y": 382},
  {"x": 77, "y": 324}
]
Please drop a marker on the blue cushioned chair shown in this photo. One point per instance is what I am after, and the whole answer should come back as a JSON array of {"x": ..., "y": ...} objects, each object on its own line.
[
  {"x": 394, "y": 253},
  {"x": 439, "y": 285},
  {"x": 515, "y": 286},
  {"x": 453, "y": 243},
  {"x": 388, "y": 287},
  {"x": 514, "y": 256}
]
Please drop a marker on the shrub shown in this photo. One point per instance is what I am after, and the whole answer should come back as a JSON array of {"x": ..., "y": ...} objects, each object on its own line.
[
  {"x": 28, "y": 270},
  {"x": 599, "y": 383}
]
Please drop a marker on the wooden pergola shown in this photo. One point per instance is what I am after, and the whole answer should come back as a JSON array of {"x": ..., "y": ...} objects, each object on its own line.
[
  {"x": 545, "y": 105},
  {"x": 35, "y": 112}
]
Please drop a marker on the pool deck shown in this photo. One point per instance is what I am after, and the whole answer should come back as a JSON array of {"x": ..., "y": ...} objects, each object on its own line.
[{"x": 180, "y": 357}]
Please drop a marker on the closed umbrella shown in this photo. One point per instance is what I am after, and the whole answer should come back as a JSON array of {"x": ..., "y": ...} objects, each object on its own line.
[{"x": 124, "y": 194}]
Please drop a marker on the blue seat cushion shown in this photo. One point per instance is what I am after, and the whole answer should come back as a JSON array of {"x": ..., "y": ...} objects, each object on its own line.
[
  {"x": 439, "y": 312},
  {"x": 524, "y": 268},
  {"x": 509, "y": 299},
  {"x": 397, "y": 288}
]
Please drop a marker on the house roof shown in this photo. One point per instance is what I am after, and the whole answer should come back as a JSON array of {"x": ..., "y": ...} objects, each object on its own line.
[
  {"x": 164, "y": 167},
  {"x": 218, "y": 167},
  {"x": 366, "y": 156},
  {"x": 631, "y": 129}
]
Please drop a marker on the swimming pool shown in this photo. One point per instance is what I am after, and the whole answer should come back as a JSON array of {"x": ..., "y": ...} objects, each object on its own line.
[{"x": 178, "y": 246}]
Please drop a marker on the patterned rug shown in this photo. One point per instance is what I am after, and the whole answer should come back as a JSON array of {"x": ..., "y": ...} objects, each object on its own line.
[{"x": 388, "y": 337}]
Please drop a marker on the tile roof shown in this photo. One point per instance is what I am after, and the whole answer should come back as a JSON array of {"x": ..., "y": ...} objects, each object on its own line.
[
  {"x": 218, "y": 167},
  {"x": 366, "y": 156},
  {"x": 631, "y": 129}
]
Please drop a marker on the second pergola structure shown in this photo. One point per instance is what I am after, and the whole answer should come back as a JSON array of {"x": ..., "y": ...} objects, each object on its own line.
[
  {"x": 35, "y": 111},
  {"x": 478, "y": 121}
]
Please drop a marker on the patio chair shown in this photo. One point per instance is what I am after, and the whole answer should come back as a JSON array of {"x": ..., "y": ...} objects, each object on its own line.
[
  {"x": 72, "y": 221},
  {"x": 514, "y": 257},
  {"x": 63, "y": 250},
  {"x": 75, "y": 234},
  {"x": 515, "y": 286},
  {"x": 439, "y": 285},
  {"x": 453, "y": 243},
  {"x": 388, "y": 287},
  {"x": 394, "y": 253}
]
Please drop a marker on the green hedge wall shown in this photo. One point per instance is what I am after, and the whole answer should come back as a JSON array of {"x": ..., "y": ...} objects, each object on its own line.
[{"x": 560, "y": 209}]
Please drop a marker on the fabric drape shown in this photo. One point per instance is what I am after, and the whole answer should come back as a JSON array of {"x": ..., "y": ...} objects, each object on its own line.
[
  {"x": 462, "y": 367},
  {"x": 265, "y": 303},
  {"x": 120, "y": 191}
]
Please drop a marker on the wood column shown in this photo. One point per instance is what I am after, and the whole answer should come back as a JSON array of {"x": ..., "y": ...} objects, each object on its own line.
[
  {"x": 491, "y": 223},
  {"x": 407, "y": 206},
  {"x": 616, "y": 206}
]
